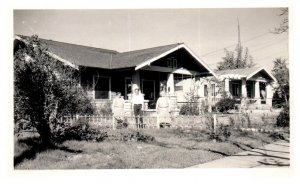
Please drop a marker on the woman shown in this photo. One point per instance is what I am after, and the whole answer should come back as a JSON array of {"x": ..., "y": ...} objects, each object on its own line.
[
  {"x": 163, "y": 110},
  {"x": 118, "y": 108}
]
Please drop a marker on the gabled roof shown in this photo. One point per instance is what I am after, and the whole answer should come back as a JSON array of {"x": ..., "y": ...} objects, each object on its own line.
[
  {"x": 243, "y": 73},
  {"x": 80, "y": 55},
  {"x": 134, "y": 58},
  {"x": 109, "y": 59}
]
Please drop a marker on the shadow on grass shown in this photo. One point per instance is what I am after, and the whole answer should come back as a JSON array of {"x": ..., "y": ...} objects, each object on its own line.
[
  {"x": 277, "y": 163},
  {"x": 253, "y": 152},
  {"x": 281, "y": 145},
  {"x": 35, "y": 146},
  {"x": 165, "y": 145}
]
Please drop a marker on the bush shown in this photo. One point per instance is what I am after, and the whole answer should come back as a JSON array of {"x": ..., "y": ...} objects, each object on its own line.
[
  {"x": 105, "y": 109},
  {"x": 189, "y": 109},
  {"x": 22, "y": 124},
  {"x": 283, "y": 119},
  {"x": 222, "y": 133},
  {"x": 225, "y": 104},
  {"x": 79, "y": 130},
  {"x": 277, "y": 136},
  {"x": 129, "y": 135}
]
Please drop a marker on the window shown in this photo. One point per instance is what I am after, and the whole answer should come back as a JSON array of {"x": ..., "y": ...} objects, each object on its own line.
[
  {"x": 205, "y": 90},
  {"x": 172, "y": 62},
  {"x": 102, "y": 87},
  {"x": 235, "y": 89},
  {"x": 213, "y": 90},
  {"x": 128, "y": 86}
]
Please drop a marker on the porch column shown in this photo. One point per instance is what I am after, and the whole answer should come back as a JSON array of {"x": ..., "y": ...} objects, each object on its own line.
[
  {"x": 244, "y": 89},
  {"x": 226, "y": 85},
  {"x": 170, "y": 83},
  {"x": 136, "y": 78},
  {"x": 269, "y": 94},
  {"x": 257, "y": 93}
]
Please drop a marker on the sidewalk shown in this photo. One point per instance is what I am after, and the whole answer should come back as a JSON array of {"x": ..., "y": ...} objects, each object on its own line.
[{"x": 276, "y": 154}]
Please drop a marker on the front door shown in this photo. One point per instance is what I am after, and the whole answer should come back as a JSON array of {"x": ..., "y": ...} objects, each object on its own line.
[
  {"x": 249, "y": 91},
  {"x": 148, "y": 89},
  {"x": 128, "y": 86}
]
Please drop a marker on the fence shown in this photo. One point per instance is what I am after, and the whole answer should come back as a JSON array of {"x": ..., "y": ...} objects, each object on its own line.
[
  {"x": 179, "y": 121},
  {"x": 150, "y": 122}
]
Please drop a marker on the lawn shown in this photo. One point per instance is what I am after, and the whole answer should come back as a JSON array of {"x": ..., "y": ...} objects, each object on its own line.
[{"x": 172, "y": 148}]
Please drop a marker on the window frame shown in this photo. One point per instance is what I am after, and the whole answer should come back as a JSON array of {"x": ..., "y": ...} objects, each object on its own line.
[
  {"x": 237, "y": 89},
  {"x": 94, "y": 87}
]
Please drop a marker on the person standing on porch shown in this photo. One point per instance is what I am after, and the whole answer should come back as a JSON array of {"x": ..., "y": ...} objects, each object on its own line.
[
  {"x": 118, "y": 108},
  {"x": 138, "y": 106},
  {"x": 163, "y": 110}
]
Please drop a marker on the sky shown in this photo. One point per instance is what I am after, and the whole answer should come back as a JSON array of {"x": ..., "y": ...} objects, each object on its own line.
[{"x": 206, "y": 31}]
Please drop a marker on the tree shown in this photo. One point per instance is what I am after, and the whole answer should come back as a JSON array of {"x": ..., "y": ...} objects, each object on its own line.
[
  {"x": 284, "y": 25},
  {"x": 45, "y": 88},
  {"x": 281, "y": 73},
  {"x": 236, "y": 59}
]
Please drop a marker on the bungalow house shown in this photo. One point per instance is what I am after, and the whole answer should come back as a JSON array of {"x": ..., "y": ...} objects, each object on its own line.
[{"x": 255, "y": 84}]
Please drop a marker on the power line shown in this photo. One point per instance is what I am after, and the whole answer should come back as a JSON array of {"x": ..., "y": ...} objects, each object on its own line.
[
  {"x": 268, "y": 44},
  {"x": 250, "y": 39}
]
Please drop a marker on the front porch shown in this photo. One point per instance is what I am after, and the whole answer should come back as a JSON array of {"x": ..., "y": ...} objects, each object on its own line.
[{"x": 165, "y": 72}]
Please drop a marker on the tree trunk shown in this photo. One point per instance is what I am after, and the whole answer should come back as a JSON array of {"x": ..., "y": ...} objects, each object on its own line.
[
  {"x": 44, "y": 130},
  {"x": 286, "y": 100}
]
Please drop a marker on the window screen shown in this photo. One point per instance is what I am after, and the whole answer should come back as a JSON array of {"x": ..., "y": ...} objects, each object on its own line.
[{"x": 101, "y": 87}]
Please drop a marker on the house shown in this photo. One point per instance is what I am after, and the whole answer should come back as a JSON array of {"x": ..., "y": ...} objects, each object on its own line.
[
  {"x": 255, "y": 84},
  {"x": 104, "y": 72}
]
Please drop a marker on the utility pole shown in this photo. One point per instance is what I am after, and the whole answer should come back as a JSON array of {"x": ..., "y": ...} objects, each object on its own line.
[{"x": 239, "y": 46}]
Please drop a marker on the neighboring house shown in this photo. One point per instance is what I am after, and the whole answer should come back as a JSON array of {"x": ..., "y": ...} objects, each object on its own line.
[{"x": 256, "y": 84}]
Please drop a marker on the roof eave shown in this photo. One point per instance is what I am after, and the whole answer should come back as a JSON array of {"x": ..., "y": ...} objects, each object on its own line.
[
  {"x": 66, "y": 62},
  {"x": 260, "y": 69}
]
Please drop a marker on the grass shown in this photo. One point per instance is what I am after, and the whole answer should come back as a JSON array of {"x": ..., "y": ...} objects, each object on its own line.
[{"x": 172, "y": 148}]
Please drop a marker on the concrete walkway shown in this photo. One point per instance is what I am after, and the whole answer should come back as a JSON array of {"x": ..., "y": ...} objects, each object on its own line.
[{"x": 276, "y": 154}]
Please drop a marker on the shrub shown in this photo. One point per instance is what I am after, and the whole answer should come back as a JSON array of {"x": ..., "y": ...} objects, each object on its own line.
[
  {"x": 129, "y": 135},
  {"x": 225, "y": 104},
  {"x": 246, "y": 120},
  {"x": 79, "y": 130},
  {"x": 105, "y": 109},
  {"x": 277, "y": 135},
  {"x": 22, "y": 124},
  {"x": 222, "y": 133},
  {"x": 283, "y": 119},
  {"x": 189, "y": 109}
]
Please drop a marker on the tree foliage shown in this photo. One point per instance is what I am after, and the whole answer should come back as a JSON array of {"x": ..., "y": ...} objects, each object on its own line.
[
  {"x": 284, "y": 25},
  {"x": 45, "y": 88},
  {"x": 281, "y": 73},
  {"x": 239, "y": 58},
  {"x": 283, "y": 120}
]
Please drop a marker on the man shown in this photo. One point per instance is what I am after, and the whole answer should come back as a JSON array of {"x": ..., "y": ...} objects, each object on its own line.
[{"x": 138, "y": 106}]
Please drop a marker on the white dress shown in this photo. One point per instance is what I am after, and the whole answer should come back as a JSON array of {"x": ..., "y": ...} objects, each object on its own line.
[
  {"x": 163, "y": 110},
  {"x": 118, "y": 108}
]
